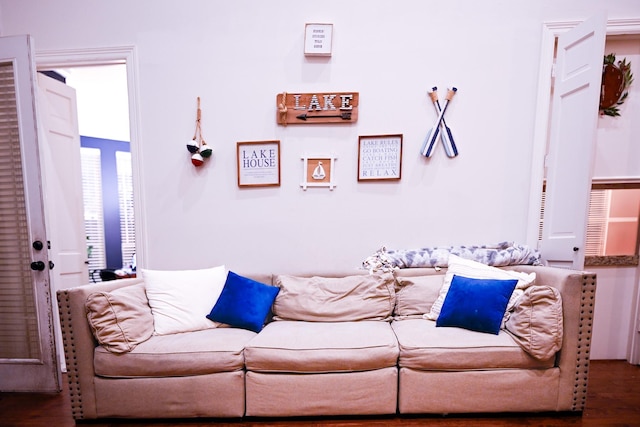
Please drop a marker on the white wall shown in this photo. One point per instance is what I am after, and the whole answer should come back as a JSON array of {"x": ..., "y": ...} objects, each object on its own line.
[
  {"x": 618, "y": 155},
  {"x": 238, "y": 55},
  {"x": 617, "y": 147},
  {"x": 614, "y": 313},
  {"x": 103, "y": 103}
]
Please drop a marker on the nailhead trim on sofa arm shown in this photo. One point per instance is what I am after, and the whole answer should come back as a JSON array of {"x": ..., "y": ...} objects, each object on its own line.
[
  {"x": 584, "y": 341},
  {"x": 64, "y": 307}
]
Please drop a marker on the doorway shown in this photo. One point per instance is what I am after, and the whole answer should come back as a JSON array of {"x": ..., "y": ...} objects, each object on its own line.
[
  {"x": 90, "y": 72},
  {"x": 617, "y": 317},
  {"x": 103, "y": 121},
  {"x": 97, "y": 117}
]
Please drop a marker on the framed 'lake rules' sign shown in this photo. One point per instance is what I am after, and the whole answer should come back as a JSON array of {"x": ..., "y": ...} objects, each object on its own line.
[
  {"x": 315, "y": 108},
  {"x": 258, "y": 164},
  {"x": 379, "y": 157}
]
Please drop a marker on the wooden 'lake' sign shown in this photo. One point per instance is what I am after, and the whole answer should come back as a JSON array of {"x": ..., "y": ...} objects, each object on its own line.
[{"x": 314, "y": 108}]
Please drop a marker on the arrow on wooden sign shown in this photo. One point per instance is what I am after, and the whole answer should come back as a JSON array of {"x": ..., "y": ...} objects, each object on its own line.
[{"x": 343, "y": 116}]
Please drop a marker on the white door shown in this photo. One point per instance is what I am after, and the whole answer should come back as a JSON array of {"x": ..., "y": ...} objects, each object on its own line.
[
  {"x": 27, "y": 347},
  {"x": 62, "y": 187},
  {"x": 574, "y": 115}
]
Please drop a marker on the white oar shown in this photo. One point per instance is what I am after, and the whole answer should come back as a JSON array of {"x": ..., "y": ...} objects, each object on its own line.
[
  {"x": 433, "y": 134},
  {"x": 445, "y": 132}
]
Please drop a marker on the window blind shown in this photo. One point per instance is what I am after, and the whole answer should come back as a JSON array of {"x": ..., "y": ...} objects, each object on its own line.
[
  {"x": 93, "y": 213},
  {"x": 18, "y": 318},
  {"x": 125, "y": 198},
  {"x": 599, "y": 203},
  {"x": 596, "y": 237}
]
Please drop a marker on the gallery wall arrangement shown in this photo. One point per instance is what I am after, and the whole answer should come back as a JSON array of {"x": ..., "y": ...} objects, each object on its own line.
[{"x": 379, "y": 156}]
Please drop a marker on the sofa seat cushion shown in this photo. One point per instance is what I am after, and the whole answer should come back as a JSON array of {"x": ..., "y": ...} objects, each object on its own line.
[
  {"x": 322, "y": 347},
  {"x": 424, "y": 347},
  {"x": 190, "y": 353}
]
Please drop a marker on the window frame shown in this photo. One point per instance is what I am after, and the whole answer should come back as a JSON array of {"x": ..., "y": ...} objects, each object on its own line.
[{"x": 615, "y": 260}]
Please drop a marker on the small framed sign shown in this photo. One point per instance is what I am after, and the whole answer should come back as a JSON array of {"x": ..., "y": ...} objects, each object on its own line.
[
  {"x": 258, "y": 164},
  {"x": 379, "y": 157},
  {"x": 317, "y": 171},
  {"x": 317, "y": 39}
]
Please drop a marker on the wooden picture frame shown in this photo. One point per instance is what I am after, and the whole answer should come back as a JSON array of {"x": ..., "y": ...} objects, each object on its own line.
[
  {"x": 380, "y": 157},
  {"x": 258, "y": 163}
]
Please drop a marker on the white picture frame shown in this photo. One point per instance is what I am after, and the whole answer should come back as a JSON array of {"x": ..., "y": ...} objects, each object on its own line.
[
  {"x": 318, "y": 39},
  {"x": 318, "y": 171}
]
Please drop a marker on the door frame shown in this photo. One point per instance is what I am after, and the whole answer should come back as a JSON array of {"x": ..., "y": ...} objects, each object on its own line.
[
  {"x": 69, "y": 58},
  {"x": 550, "y": 30},
  {"x": 37, "y": 372}
]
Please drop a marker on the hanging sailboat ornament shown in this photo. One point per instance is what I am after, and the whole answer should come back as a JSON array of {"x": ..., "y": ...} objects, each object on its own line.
[
  {"x": 318, "y": 172},
  {"x": 199, "y": 149}
]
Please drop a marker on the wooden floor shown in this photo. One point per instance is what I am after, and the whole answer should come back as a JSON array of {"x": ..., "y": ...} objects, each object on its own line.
[{"x": 613, "y": 400}]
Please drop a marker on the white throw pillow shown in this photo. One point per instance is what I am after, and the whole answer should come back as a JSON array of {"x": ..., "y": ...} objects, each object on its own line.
[
  {"x": 181, "y": 299},
  {"x": 476, "y": 270}
]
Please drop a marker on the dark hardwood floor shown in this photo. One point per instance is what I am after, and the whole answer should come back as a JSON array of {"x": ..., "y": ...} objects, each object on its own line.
[{"x": 613, "y": 400}]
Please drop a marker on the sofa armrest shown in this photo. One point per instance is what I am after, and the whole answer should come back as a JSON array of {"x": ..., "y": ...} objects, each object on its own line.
[
  {"x": 578, "y": 291},
  {"x": 79, "y": 343}
]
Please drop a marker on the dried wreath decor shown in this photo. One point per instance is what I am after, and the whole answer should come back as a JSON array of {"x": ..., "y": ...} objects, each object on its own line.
[{"x": 616, "y": 79}]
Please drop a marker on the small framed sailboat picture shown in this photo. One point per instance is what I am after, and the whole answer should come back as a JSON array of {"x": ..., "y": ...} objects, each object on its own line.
[
  {"x": 318, "y": 171},
  {"x": 258, "y": 164}
]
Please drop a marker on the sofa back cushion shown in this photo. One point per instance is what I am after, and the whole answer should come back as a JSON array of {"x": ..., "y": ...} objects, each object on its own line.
[
  {"x": 335, "y": 299},
  {"x": 536, "y": 321},
  {"x": 120, "y": 319},
  {"x": 415, "y": 295},
  {"x": 181, "y": 299}
]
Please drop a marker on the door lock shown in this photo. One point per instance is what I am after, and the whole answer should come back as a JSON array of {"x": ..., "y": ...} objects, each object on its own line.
[
  {"x": 38, "y": 245},
  {"x": 37, "y": 266}
]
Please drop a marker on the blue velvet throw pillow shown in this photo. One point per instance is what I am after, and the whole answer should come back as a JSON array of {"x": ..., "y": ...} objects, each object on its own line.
[
  {"x": 243, "y": 303},
  {"x": 476, "y": 304}
]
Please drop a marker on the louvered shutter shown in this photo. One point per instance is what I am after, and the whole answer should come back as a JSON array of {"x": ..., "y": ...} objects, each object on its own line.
[
  {"x": 597, "y": 223},
  {"x": 19, "y": 337}
]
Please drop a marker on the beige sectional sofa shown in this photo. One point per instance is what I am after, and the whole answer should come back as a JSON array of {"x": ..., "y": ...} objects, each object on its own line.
[{"x": 345, "y": 343}]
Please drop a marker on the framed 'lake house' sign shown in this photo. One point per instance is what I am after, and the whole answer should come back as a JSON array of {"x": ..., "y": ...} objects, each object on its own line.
[
  {"x": 258, "y": 164},
  {"x": 379, "y": 157}
]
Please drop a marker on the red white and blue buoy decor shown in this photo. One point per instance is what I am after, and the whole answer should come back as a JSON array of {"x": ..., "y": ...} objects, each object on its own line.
[
  {"x": 193, "y": 146},
  {"x": 197, "y": 160},
  {"x": 199, "y": 149}
]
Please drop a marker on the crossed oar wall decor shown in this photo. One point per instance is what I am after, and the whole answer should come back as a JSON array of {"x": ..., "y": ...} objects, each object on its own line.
[{"x": 440, "y": 130}]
